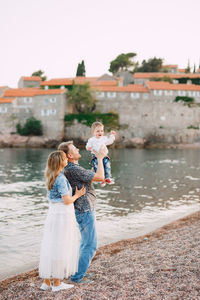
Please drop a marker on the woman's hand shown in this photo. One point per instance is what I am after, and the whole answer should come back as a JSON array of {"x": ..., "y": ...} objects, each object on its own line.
[{"x": 80, "y": 192}]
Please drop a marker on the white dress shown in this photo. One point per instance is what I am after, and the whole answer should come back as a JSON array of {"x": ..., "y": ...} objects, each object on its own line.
[{"x": 60, "y": 244}]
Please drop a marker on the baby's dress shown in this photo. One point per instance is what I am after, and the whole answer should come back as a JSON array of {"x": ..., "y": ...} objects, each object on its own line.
[{"x": 60, "y": 244}]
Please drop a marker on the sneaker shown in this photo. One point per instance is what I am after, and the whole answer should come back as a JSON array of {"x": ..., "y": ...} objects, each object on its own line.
[
  {"x": 85, "y": 280},
  {"x": 89, "y": 275},
  {"x": 45, "y": 287},
  {"x": 103, "y": 183},
  {"x": 62, "y": 286},
  {"x": 110, "y": 181}
]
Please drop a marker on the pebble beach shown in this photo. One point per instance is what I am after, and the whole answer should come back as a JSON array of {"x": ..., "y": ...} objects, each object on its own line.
[{"x": 164, "y": 264}]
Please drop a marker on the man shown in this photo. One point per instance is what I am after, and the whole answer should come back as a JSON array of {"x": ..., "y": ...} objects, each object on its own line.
[{"x": 85, "y": 205}]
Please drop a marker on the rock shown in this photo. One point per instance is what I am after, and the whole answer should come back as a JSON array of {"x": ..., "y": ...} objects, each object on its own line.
[
  {"x": 13, "y": 140},
  {"x": 36, "y": 142}
]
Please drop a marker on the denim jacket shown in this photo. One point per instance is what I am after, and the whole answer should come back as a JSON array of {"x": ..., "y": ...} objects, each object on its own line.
[{"x": 60, "y": 188}]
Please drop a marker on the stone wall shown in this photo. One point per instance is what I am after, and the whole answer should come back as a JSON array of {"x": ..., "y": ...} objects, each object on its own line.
[
  {"x": 147, "y": 116},
  {"x": 146, "y": 122}
]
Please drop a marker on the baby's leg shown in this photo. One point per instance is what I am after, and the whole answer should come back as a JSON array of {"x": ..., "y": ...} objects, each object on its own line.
[
  {"x": 107, "y": 167},
  {"x": 94, "y": 164}
]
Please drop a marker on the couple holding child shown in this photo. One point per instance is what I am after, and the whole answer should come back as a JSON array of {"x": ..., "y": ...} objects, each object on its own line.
[{"x": 61, "y": 253}]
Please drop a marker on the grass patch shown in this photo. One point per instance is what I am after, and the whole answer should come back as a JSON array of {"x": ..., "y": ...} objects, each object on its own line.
[{"x": 110, "y": 120}]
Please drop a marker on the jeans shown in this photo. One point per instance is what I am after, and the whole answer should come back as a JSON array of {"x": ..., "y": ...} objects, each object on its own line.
[
  {"x": 106, "y": 164},
  {"x": 88, "y": 246}
]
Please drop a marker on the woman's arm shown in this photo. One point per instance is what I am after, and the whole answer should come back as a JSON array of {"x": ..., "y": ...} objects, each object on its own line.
[{"x": 67, "y": 199}]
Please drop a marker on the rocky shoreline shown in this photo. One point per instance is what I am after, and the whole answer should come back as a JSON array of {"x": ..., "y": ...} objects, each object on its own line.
[
  {"x": 162, "y": 265},
  {"x": 17, "y": 141}
]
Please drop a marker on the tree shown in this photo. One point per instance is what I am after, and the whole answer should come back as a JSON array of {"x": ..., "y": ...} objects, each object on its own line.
[
  {"x": 152, "y": 65},
  {"x": 188, "y": 69},
  {"x": 123, "y": 62},
  {"x": 81, "y": 69},
  {"x": 194, "y": 69},
  {"x": 40, "y": 74},
  {"x": 31, "y": 127},
  {"x": 82, "y": 97}
]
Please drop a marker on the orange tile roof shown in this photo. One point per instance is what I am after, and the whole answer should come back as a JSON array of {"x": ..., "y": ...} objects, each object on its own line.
[
  {"x": 24, "y": 92},
  {"x": 50, "y": 92},
  {"x": 170, "y": 66},
  {"x": 129, "y": 88},
  {"x": 81, "y": 79},
  {"x": 161, "y": 85},
  {"x": 31, "y": 92},
  {"x": 78, "y": 80},
  {"x": 160, "y": 75},
  {"x": 7, "y": 100},
  {"x": 105, "y": 83},
  {"x": 32, "y": 78},
  {"x": 181, "y": 70},
  {"x": 57, "y": 81}
]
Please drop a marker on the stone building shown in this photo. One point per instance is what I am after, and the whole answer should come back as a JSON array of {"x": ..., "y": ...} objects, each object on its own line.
[
  {"x": 32, "y": 81},
  {"x": 49, "y": 107},
  {"x": 141, "y": 78},
  {"x": 144, "y": 109}
]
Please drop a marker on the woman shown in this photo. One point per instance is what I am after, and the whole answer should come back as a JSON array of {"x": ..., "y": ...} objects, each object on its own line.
[{"x": 60, "y": 243}]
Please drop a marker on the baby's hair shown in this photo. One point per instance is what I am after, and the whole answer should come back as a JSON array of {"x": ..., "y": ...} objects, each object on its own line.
[{"x": 95, "y": 125}]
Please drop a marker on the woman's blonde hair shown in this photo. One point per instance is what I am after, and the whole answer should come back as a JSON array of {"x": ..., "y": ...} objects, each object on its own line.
[{"x": 54, "y": 166}]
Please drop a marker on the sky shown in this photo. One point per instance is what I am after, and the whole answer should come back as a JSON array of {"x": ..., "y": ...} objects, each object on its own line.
[{"x": 56, "y": 35}]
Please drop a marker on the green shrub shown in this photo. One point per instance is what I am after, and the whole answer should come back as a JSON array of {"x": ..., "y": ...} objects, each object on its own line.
[
  {"x": 110, "y": 120},
  {"x": 184, "y": 99},
  {"x": 31, "y": 127},
  {"x": 164, "y": 78},
  {"x": 192, "y": 127}
]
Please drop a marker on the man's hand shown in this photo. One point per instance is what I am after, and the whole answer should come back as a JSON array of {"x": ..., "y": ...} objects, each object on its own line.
[{"x": 102, "y": 152}]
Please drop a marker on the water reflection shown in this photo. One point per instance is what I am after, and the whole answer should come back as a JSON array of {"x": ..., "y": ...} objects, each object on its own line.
[{"x": 152, "y": 188}]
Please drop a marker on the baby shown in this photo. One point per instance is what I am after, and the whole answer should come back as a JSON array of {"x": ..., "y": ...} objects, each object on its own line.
[{"x": 94, "y": 144}]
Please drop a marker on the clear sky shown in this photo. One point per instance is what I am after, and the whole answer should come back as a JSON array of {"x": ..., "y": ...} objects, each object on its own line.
[{"x": 55, "y": 35}]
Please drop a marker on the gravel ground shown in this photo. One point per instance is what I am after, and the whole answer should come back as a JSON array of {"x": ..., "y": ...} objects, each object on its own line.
[{"x": 164, "y": 264}]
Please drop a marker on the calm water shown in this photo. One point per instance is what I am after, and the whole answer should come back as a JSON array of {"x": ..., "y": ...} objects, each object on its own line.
[{"x": 153, "y": 187}]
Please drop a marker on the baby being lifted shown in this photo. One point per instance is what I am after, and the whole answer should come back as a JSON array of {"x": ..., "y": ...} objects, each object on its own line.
[{"x": 95, "y": 143}]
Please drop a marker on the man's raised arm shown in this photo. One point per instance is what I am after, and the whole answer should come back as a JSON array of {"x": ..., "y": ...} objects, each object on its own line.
[{"x": 99, "y": 175}]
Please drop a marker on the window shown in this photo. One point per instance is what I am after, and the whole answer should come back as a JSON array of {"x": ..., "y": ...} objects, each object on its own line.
[
  {"x": 44, "y": 112},
  {"x": 46, "y": 100},
  {"x": 48, "y": 112},
  {"x": 135, "y": 95},
  {"x": 27, "y": 99},
  {"x": 100, "y": 94},
  {"x": 52, "y": 111},
  {"x": 52, "y": 100},
  {"x": 182, "y": 93},
  {"x": 145, "y": 96},
  {"x": 111, "y": 94},
  {"x": 122, "y": 95},
  {"x": 3, "y": 110},
  {"x": 191, "y": 93},
  {"x": 157, "y": 92}
]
